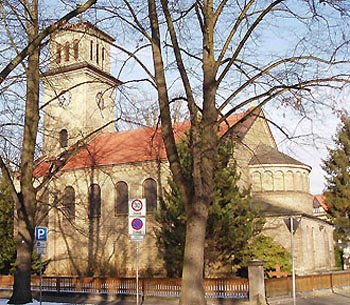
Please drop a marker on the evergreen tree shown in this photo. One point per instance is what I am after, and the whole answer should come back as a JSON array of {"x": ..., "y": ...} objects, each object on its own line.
[
  {"x": 8, "y": 248},
  {"x": 337, "y": 192},
  {"x": 231, "y": 223}
]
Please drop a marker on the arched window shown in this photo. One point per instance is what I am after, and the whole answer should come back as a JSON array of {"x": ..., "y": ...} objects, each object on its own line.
[
  {"x": 289, "y": 182},
  {"x": 69, "y": 202},
  {"x": 42, "y": 211},
  {"x": 58, "y": 54},
  {"x": 149, "y": 190},
  {"x": 66, "y": 51},
  {"x": 63, "y": 138},
  {"x": 256, "y": 182},
  {"x": 279, "y": 181},
  {"x": 267, "y": 181},
  {"x": 76, "y": 49},
  {"x": 122, "y": 194},
  {"x": 91, "y": 49},
  {"x": 94, "y": 201},
  {"x": 97, "y": 53},
  {"x": 298, "y": 181}
]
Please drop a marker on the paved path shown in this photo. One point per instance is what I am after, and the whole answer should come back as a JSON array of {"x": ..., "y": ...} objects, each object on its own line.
[
  {"x": 338, "y": 297},
  {"x": 326, "y": 297}
]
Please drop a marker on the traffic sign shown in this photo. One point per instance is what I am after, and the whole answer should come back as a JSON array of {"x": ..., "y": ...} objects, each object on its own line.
[
  {"x": 290, "y": 226},
  {"x": 40, "y": 233},
  {"x": 137, "y": 237},
  {"x": 137, "y": 207},
  {"x": 41, "y": 250},
  {"x": 41, "y": 244},
  {"x": 137, "y": 226}
]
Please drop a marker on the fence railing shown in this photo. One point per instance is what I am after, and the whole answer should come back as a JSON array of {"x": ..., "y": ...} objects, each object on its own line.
[
  {"x": 283, "y": 286},
  {"x": 165, "y": 287},
  {"x": 161, "y": 287}
]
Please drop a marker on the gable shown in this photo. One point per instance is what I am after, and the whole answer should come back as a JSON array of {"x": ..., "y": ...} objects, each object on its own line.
[{"x": 259, "y": 133}]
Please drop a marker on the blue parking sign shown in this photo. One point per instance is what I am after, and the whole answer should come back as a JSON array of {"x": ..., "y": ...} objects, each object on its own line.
[{"x": 40, "y": 233}]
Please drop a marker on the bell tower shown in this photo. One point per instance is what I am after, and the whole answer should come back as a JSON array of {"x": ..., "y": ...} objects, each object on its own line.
[{"x": 78, "y": 87}]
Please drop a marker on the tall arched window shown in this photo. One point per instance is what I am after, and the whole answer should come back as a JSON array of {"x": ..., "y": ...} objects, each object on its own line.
[
  {"x": 149, "y": 190},
  {"x": 279, "y": 181},
  {"x": 256, "y": 182},
  {"x": 66, "y": 51},
  {"x": 76, "y": 49},
  {"x": 289, "y": 182},
  {"x": 69, "y": 202},
  {"x": 58, "y": 54},
  {"x": 94, "y": 201},
  {"x": 63, "y": 138},
  {"x": 298, "y": 181},
  {"x": 97, "y": 53},
  {"x": 42, "y": 212},
  {"x": 91, "y": 49},
  {"x": 267, "y": 181},
  {"x": 122, "y": 194}
]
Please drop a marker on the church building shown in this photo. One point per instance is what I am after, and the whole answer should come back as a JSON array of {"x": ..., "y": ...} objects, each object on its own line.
[{"x": 87, "y": 199}]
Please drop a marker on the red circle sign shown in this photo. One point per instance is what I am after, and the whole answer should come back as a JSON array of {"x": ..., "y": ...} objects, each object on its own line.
[
  {"x": 137, "y": 224},
  {"x": 136, "y": 205}
]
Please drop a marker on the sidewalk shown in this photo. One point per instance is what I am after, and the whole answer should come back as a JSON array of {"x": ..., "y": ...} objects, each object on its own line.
[
  {"x": 338, "y": 297},
  {"x": 325, "y": 297}
]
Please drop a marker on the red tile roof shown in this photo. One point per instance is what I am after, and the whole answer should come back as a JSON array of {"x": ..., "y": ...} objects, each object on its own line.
[
  {"x": 321, "y": 200},
  {"x": 138, "y": 145}
]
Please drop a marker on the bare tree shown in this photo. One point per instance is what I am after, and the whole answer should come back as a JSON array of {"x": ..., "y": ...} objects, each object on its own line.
[
  {"x": 25, "y": 196},
  {"x": 222, "y": 55}
]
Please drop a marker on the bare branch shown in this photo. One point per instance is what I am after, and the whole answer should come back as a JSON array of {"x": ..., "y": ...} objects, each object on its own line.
[
  {"x": 41, "y": 36},
  {"x": 246, "y": 37}
]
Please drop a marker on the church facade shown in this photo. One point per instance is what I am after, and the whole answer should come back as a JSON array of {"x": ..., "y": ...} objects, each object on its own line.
[{"x": 87, "y": 200}]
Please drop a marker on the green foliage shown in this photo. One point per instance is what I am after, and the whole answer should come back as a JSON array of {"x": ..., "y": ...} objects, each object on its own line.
[
  {"x": 8, "y": 248},
  {"x": 231, "y": 222},
  {"x": 339, "y": 260},
  {"x": 264, "y": 248},
  {"x": 35, "y": 270},
  {"x": 8, "y": 245},
  {"x": 337, "y": 168},
  {"x": 171, "y": 231}
]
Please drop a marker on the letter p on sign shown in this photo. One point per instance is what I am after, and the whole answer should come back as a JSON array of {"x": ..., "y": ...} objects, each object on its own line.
[{"x": 40, "y": 233}]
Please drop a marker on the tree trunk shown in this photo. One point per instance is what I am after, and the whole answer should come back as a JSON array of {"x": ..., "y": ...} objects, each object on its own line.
[
  {"x": 192, "y": 291},
  {"x": 24, "y": 242},
  {"x": 26, "y": 205}
]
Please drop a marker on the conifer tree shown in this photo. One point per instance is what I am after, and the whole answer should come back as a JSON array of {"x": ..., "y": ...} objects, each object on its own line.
[
  {"x": 337, "y": 192},
  {"x": 8, "y": 248},
  {"x": 231, "y": 223}
]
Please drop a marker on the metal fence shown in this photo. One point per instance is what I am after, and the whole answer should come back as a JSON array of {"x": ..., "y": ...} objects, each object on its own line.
[
  {"x": 165, "y": 287},
  {"x": 160, "y": 287}
]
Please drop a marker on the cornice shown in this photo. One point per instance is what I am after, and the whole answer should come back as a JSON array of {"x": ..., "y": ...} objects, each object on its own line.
[{"x": 81, "y": 66}]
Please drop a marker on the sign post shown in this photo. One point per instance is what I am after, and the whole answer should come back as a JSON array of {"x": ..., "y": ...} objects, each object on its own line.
[
  {"x": 292, "y": 225},
  {"x": 40, "y": 240},
  {"x": 137, "y": 231}
]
